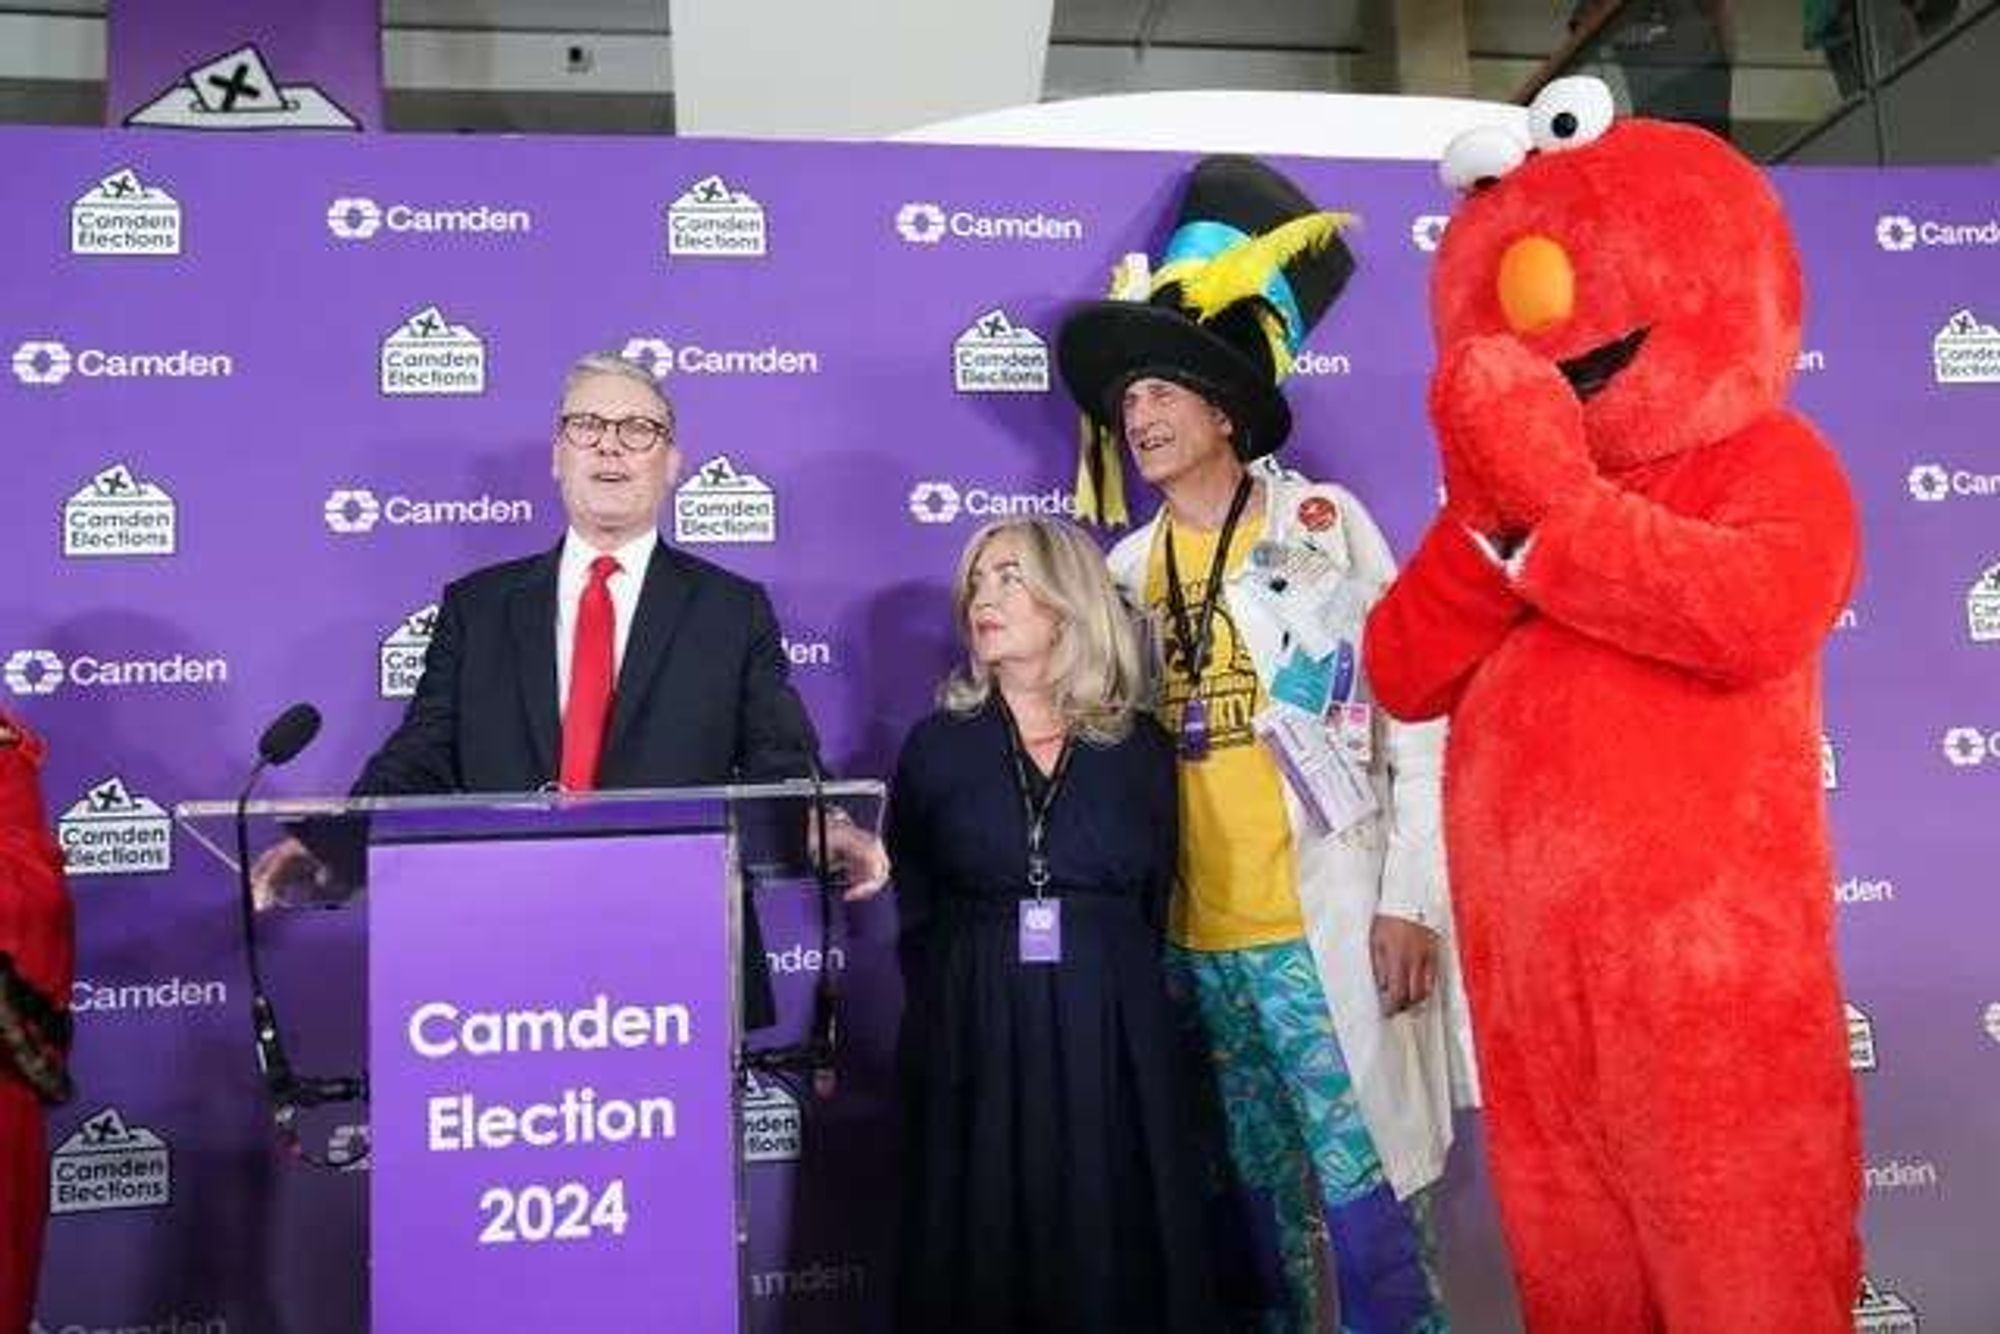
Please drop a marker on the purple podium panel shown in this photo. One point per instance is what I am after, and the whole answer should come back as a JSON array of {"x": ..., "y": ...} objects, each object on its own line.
[{"x": 551, "y": 1053}]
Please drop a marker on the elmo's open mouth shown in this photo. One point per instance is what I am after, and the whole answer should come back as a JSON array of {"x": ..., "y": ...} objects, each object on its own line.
[{"x": 1589, "y": 373}]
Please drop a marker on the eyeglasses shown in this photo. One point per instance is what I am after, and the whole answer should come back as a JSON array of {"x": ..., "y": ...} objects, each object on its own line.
[{"x": 635, "y": 435}]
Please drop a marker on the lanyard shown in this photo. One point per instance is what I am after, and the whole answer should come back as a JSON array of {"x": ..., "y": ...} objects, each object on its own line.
[
  {"x": 1196, "y": 638},
  {"x": 1034, "y": 814}
]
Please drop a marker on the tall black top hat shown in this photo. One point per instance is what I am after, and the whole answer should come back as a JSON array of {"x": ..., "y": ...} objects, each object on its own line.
[{"x": 1250, "y": 268}]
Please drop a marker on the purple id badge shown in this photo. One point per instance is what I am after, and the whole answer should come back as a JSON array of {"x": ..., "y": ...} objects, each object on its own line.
[{"x": 1041, "y": 930}]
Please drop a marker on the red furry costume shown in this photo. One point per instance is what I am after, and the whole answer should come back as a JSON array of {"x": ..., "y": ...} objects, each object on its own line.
[
  {"x": 35, "y": 963},
  {"x": 1634, "y": 818}
]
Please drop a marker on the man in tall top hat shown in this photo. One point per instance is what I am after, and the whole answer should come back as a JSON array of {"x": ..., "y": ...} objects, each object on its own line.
[{"x": 1309, "y": 936}]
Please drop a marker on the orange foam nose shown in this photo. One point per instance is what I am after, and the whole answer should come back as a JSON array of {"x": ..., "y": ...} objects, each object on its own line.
[{"x": 1537, "y": 285}]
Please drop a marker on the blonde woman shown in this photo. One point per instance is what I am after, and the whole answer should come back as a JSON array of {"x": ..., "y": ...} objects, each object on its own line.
[{"x": 1048, "y": 1183}]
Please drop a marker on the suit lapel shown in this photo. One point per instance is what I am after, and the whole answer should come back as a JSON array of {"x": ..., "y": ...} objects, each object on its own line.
[
  {"x": 662, "y": 602},
  {"x": 531, "y": 617}
]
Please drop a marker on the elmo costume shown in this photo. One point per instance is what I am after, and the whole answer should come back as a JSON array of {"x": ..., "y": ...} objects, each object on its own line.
[
  {"x": 36, "y": 956},
  {"x": 1620, "y": 608}
]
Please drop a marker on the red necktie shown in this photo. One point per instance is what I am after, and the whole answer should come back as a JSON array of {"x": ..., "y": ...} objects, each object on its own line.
[{"x": 590, "y": 675}]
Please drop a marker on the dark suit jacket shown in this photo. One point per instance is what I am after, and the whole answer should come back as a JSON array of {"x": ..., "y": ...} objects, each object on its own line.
[{"x": 701, "y": 698}]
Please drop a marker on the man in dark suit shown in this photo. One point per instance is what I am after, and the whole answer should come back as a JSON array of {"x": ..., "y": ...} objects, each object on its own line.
[{"x": 613, "y": 660}]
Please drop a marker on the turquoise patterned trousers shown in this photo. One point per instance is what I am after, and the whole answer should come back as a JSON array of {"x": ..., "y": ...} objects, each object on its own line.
[{"x": 1285, "y": 1133}]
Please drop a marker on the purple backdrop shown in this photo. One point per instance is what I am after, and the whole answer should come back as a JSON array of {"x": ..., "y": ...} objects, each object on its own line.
[{"x": 225, "y": 493}]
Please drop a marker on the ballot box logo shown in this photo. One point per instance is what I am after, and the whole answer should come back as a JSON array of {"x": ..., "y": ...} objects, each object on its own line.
[
  {"x": 238, "y": 91},
  {"x": 1966, "y": 351},
  {"x": 427, "y": 355},
  {"x": 713, "y": 219},
  {"x": 719, "y": 504},
  {"x": 1969, "y": 747},
  {"x": 1829, "y": 764},
  {"x": 1427, "y": 231},
  {"x": 995, "y": 355},
  {"x": 110, "y": 1163},
  {"x": 122, "y": 215},
  {"x": 773, "y": 1123},
  {"x": 112, "y": 830},
  {"x": 1860, "y": 1038},
  {"x": 117, "y": 513},
  {"x": 402, "y": 655},
  {"x": 1877, "y": 1310},
  {"x": 1982, "y": 607}
]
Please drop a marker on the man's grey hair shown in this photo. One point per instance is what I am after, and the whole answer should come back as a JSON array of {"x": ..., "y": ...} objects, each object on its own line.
[{"x": 610, "y": 363}]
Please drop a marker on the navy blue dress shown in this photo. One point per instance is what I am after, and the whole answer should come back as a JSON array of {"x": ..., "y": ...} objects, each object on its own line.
[{"x": 1049, "y": 1179}]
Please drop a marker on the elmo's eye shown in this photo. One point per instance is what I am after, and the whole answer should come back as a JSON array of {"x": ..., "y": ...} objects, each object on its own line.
[
  {"x": 1481, "y": 156},
  {"x": 1570, "y": 113}
]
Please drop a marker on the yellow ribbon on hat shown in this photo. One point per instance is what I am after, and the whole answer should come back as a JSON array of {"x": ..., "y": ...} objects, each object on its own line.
[{"x": 1100, "y": 465}]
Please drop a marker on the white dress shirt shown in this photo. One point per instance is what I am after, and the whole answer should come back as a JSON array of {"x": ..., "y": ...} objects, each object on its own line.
[{"x": 573, "y": 575}]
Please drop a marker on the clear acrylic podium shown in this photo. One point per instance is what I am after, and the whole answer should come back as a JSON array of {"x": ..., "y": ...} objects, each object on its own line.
[{"x": 554, "y": 1022}]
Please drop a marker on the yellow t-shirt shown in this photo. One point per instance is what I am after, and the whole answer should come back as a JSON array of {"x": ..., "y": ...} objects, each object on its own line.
[{"x": 1239, "y": 883}]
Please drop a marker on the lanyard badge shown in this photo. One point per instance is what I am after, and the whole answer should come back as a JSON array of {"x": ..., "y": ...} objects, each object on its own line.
[
  {"x": 1195, "y": 633},
  {"x": 1040, "y": 917}
]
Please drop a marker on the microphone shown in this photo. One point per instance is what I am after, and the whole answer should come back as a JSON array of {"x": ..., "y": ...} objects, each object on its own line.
[
  {"x": 823, "y": 1043},
  {"x": 289, "y": 733}
]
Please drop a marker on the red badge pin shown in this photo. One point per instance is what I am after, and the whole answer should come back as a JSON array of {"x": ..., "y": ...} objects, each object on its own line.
[{"x": 1317, "y": 514}]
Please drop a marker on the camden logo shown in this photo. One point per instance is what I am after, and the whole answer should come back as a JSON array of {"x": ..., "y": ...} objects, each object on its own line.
[
  {"x": 773, "y": 1124},
  {"x": 109, "y": 1163},
  {"x": 711, "y": 219},
  {"x": 1982, "y": 607},
  {"x": 1899, "y": 233},
  {"x": 43, "y": 363},
  {"x": 1860, "y": 1038},
  {"x": 1829, "y": 764},
  {"x": 1992, "y": 1019},
  {"x": 939, "y": 502},
  {"x": 1427, "y": 231},
  {"x": 928, "y": 223},
  {"x": 89, "y": 996},
  {"x": 402, "y": 655},
  {"x": 1966, "y": 351},
  {"x": 1933, "y": 483},
  {"x": 997, "y": 356},
  {"x": 659, "y": 358},
  {"x": 1308, "y": 364},
  {"x": 122, "y": 215},
  {"x": 1969, "y": 747},
  {"x": 118, "y": 514},
  {"x": 429, "y": 355},
  {"x": 112, "y": 830},
  {"x": 719, "y": 504},
  {"x": 1880, "y": 1311},
  {"x": 40, "y": 671},
  {"x": 358, "y": 218},
  {"x": 354, "y": 510}
]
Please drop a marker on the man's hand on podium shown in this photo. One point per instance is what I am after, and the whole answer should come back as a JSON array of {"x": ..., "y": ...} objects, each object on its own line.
[
  {"x": 856, "y": 855},
  {"x": 287, "y": 872}
]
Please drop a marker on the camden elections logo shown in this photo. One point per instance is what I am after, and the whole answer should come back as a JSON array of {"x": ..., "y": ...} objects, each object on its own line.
[
  {"x": 402, "y": 655},
  {"x": 40, "y": 671},
  {"x": 112, "y": 830},
  {"x": 1860, "y": 1038},
  {"x": 122, "y": 215},
  {"x": 1900, "y": 233},
  {"x": 942, "y": 502},
  {"x": 1934, "y": 483},
  {"x": 928, "y": 223},
  {"x": 238, "y": 91},
  {"x": 720, "y": 504},
  {"x": 1880, "y": 1311},
  {"x": 1427, "y": 231},
  {"x": 358, "y": 218},
  {"x": 43, "y": 363},
  {"x": 354, "y": 510},
  {"x": 712, "y": 219},
  {"x": 1982, "y": 607},
  {"x": 118, "y": 514},
  {"x": 1966, "y": 351},
  {"x": 108, "y": 1163},
  {"x": 428, "y": 355},
  {"x": 997, "y": 356},
  {"x": 773, "y": 1123}
]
